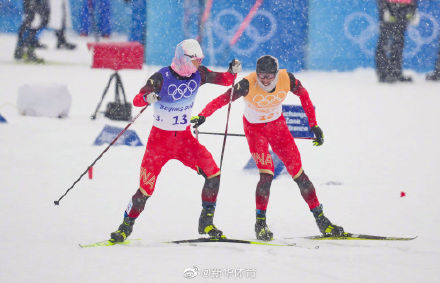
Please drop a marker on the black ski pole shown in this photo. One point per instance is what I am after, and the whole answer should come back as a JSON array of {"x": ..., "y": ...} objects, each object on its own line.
[
  {"x": 221, "y": 134},
  {"x": 227, "y": 123},
  {"x": 241, "y": 135},
  {"x": 57, "y": 202}
]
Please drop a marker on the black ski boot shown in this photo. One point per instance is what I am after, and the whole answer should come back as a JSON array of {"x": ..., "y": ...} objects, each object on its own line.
[
  {"x": 61, "y": 41},
  {"x": 34, "y": 42},
  {"x": 31, "y": 57},
  {"x": 403, "y": 78},
  {"x": 261, "y": 230},
  {"x": 325, "y": 226},
  {"x": 124, "y": 230},
  {"x": 18, "y": 53},
  {"x": 433, "y": 76},
  {"x": 206, "y": 225}
]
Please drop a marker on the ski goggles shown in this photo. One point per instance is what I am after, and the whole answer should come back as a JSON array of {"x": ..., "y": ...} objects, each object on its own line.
[
  {"x": 266, "y": 76},
  {"x": 193, "y": 57}
]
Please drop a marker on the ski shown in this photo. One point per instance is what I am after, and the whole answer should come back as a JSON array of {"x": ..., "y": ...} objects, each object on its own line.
[
  {"x": 351, "y": 236},
  {"x": 226, "y": 240},
  {"x": 107, "y": 243}
]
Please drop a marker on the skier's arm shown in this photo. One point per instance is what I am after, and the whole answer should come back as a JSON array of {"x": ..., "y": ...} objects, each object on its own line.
[
  {"x": 240, "y": 89},
  {"x": 297, "y": 88},
  {"x": 219, "y": 78},
  {"x": 153, "y": 85}
]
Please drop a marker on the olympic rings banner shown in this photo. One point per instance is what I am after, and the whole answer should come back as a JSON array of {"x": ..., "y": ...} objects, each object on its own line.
[
  {"x": 344, "y": 36},
  {"x": 304, "y": 34},
  {"x": 279, "y": 30}
]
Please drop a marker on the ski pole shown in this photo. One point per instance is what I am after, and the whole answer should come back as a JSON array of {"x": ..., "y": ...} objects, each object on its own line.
[
  {"x": 57, "y": 202},
  {"x": 227, "y": 123},
  {"x": 220, "y": 134},
  {"x": 242, "y": 135}
]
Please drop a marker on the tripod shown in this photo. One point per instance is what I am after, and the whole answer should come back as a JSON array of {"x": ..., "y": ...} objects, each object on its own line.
[{"x": 115, "y": 110}]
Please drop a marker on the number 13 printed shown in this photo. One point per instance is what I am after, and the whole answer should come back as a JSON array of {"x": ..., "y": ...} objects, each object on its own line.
[{"x": 180, "y": 120}]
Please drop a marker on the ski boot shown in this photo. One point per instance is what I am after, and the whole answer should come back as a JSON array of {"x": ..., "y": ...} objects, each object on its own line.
[
  {"x": 433, "y": 76},
  {"x": 18, "y": 53},
  {"x": 261, "y": 230},
  {"x": 62, "y": 42},
  {"x": 34, "y": 42},
  {"x": 206, "y": 225},
  {"x": 325, "y": 226},
  {"x": 123, "y": 231},
  {"x": 30, "y": 57},
  {"x": 403, "y": 78}
]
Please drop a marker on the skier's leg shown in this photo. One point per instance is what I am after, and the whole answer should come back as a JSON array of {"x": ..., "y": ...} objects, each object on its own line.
[
  {"x": 150, "y": 169},
  {"x": 284, "y": 146},
  {"x": 197, "y": 157},
  {"x": 262, "y": 194},
  {"x": 259, "y": 148}
]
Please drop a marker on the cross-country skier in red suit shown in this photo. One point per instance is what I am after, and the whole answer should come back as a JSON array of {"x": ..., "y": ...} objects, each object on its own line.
[
  {"x": 264, "y": 92},
  {"x": 171, "y": 92}
]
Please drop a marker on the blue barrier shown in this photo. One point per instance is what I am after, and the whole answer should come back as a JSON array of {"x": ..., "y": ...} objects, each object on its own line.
[
  {"x": 317, "y": 34},
  {"x": 346, "y": 38},
  {"x": 117, "y": 19},
  {"x": 297, "y": 121},
  {"x": 109, "y": 133},
  {"x": 138, "y": 27},
  {"x": 2, "y": 119},
  {"x": 10, "y": 15},
  {"x": 298, "y": 125}
]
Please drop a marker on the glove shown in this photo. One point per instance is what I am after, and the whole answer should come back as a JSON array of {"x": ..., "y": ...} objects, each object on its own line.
[
  {"x": 235, "y": 66},
  {"x": 151, "y": 98},
  {"x": 197, "y": 120},
  {"x": 319, "y": 136}
]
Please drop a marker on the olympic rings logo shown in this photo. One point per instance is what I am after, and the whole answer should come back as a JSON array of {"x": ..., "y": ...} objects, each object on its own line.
[
  {"x": 269, "y": 100},
  {"x": 415, "y": 36},
  {"x": 256, "y": 35},
  {"x": 183, "y": 90},
  {"x": 363, "y": 39},
  {"x": 365, "y": 35}
]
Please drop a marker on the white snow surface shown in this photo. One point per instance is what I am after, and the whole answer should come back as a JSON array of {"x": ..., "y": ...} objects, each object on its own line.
[{"x": 380, "y": 140}]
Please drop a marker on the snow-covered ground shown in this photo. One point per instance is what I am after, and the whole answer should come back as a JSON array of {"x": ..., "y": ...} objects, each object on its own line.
[{"x": 380, "y": 140}]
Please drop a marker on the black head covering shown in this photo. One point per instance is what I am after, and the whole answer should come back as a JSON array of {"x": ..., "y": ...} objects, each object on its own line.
[{"x": 267, "y": 64}]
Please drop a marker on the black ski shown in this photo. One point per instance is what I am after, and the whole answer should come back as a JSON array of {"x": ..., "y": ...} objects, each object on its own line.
[
  {"x": 226, "y": 240},
  {"x": 129, "y": 242},
  {"x": 351, "y": 236}
]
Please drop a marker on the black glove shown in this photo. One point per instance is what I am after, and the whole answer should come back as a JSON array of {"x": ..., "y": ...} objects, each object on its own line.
[
  {"x": 197, "y": 120},
  {"x": 319, "y": 136},
  {"x": 234, "y": 66}
]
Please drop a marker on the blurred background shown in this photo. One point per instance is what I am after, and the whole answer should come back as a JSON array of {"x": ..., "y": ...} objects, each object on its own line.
[{"x": 304, "y": 34}]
